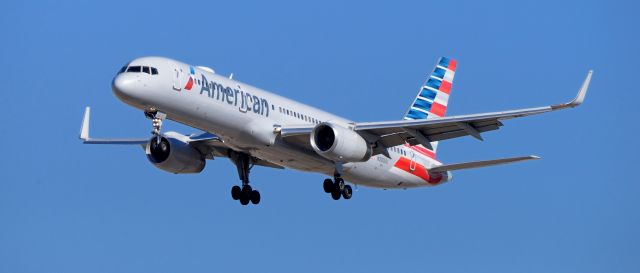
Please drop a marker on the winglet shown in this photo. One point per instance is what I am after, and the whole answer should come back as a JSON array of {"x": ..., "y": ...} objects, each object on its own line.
[
  {"x": 84, "y": 129},
  {"x": 84, "y": 134},
  {"x": 582, "y": 93}
]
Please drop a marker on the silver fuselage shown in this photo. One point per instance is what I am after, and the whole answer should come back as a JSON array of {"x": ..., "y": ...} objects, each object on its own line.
[{"x": 245, "y": 116}]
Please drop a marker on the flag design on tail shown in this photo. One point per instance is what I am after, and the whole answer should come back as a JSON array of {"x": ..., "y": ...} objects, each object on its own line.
[{"x": 433, "y": 97}]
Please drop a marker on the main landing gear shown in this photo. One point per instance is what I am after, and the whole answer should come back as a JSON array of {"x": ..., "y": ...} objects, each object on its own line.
[
  {"x": 337, "y": 188},
  {"x": 245, "y": 193}
]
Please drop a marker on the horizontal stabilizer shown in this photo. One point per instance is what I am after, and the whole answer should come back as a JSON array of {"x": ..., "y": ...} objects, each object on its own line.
[{"x": 478, "y": 164}]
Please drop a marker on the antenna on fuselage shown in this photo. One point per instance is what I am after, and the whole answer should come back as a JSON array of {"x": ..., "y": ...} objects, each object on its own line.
[{"x": 231, "y": 76}]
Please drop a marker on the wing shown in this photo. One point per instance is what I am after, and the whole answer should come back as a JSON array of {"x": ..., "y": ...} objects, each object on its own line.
[
  {"x": 392, "y": 133},
  {"x": 84, "y": 134},
  {"x": 210, "y": 145}
]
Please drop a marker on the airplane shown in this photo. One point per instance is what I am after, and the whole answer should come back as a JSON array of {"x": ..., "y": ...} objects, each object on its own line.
[{"x": 251, "y": 126}]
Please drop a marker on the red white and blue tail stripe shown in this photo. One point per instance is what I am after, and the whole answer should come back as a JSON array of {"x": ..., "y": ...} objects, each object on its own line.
[{"x": 433, "y": 97}]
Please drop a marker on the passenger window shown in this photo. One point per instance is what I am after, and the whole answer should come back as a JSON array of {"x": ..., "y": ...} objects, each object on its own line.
[
  {"x": 134, "y": 69},
  {"x": 146, "y": 69},
  {"x": 154, "y": 71}
]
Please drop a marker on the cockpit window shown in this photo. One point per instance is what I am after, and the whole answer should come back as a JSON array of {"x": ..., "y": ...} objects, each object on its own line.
[
  {"x": 139, "y": 69},
  {"x": 134, "y": 69}
]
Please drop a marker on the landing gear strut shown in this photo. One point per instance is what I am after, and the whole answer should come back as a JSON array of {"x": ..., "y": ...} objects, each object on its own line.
[
  {"x": 337, "y": 187},
  {"x": 245, "y": 193},
  {"x": 156, "y": 121}
]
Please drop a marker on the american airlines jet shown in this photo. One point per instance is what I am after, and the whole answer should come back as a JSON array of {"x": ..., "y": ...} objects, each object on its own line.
[{"x": 251, "y": 126}]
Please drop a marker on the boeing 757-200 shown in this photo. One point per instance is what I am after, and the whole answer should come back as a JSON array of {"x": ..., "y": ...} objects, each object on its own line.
[{"x": 251, "y": 126}]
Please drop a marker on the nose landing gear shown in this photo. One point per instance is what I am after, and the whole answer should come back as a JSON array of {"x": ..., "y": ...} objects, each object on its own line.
[{"x": 156, "y": 121}]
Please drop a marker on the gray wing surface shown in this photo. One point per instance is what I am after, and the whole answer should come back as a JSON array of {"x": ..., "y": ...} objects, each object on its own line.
[{"x": 392, "y": 133}]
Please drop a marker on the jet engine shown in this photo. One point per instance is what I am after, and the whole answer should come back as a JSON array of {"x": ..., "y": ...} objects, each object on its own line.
[
  {"x": 339, "y": 144},
  {"x": 173, "y": 154}
]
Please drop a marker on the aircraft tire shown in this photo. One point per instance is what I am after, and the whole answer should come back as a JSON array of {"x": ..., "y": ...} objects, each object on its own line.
[
  {"x": 327, "y": 185},
  {"x": 339, "y": 183},
  {"x": 244, "y": 200},
  {"x": 255, "y": 197},
  {"x": 236, "y": 192},
  {"x": 347, "y": 192},
  {"x": 336, "y": 193}
]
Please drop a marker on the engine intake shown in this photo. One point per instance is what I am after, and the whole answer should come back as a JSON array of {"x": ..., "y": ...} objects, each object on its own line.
[
  {"x": 174, "y": 154},
  {"x": 339, "y": 144}
]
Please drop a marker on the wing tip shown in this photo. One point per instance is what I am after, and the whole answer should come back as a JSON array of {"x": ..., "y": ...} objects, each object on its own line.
[
  {"x": 582, "y": 93},
  {"x": 84, "y": 128}
]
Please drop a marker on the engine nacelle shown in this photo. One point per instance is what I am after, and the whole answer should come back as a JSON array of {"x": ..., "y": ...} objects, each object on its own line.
[
  {"x": 339, "y": 144},
  {"x": 173, "y": 154}
]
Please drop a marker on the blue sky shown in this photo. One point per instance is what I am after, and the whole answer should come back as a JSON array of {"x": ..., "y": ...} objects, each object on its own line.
[{"x": 67, "y": 207}]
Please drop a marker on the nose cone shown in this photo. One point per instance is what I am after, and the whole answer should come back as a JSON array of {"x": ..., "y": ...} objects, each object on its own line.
[{"x": 124, "y": 86}]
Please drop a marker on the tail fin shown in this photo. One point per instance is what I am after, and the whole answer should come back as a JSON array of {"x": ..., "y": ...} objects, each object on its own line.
[{"x": 433, "y": 97}]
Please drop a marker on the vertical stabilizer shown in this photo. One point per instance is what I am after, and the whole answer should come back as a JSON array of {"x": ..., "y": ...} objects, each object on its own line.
[{"x": 433, "y": 97}]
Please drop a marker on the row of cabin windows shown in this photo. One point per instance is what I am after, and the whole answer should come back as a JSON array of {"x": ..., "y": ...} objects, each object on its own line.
[
  {"x": 398, "y": 150},
  {"x": 298, "y": 115},
  {"x": 139, "y": 69}
]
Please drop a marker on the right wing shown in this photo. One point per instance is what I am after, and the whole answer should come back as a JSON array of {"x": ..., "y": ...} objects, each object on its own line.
[
  {"x": 423, "y": 131},
  {"x": 392, "y": 133}
]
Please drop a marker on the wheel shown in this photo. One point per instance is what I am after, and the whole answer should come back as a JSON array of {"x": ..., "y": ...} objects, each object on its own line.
[
  {"x": 335, "y": 193},
  {"x": 244, "y": 200},
  {"x": 245, "y": 195},
  {"x": 235, "y": 192},
  {"x": 339, "y": 183},
  {"x": 255, "y": 197},
  {"x": 327, "y": 185},
  {"x": 347, "y": 192}
]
